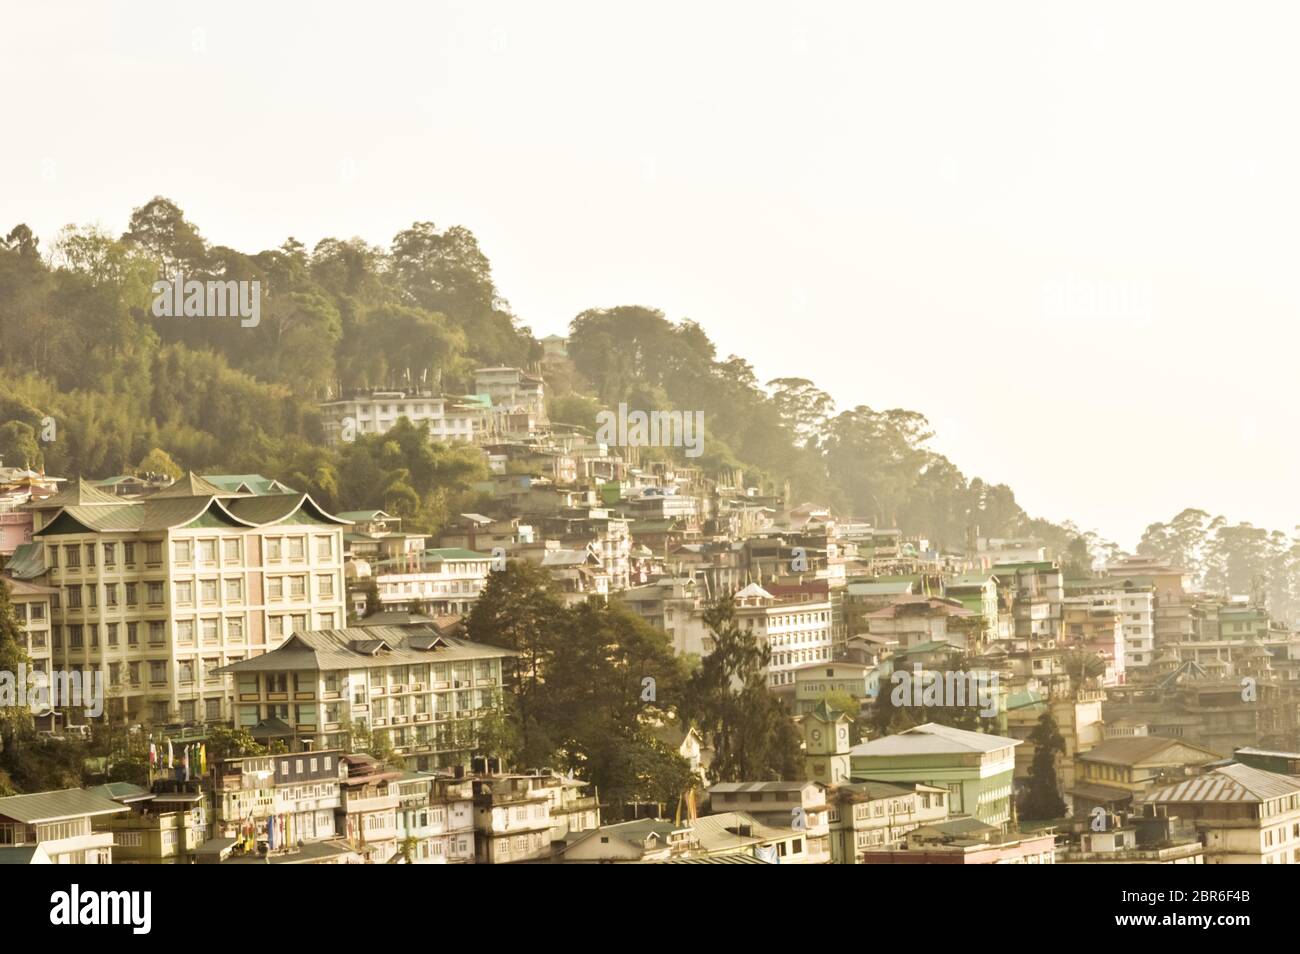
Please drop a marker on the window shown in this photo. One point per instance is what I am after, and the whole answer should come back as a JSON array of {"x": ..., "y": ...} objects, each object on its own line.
[
  {"x": 132, "y": 595},
  {"x": 297, "y": 549},
  {"x": 235, "y": 629},
  {"x": 232, "y": 550},
  {"x": 133, "y": 634},
  {"x": 110, "y": 554},
  {"x": 297, "y": 587},
  {"x": 208, "y": 591},
  {"x": 234, "y": 591},
  {"x": 325, "y": 548},
  {"x": 207, "y": 551},
  {"x": 183, "y": 551},
  {"x": 325, "y": 584},
  {"x": 158, "y": 672},
  {"x": 153, "y": 552},
  {"x": 154, "y": 592},
  {"x": 157, "y": 632},
  {"x": 212, "y": 709},
  {"x": 275, "y": 588},
  {"x": 184, "y": 631},
  {"x": 184, "y": 592},
  {"x": 90, "y": 554},
  {"x": 72, "y": 557},
  {"x": 128, "y": 554},
  {"x": 273, "y": 550},
  {"x": 209, "y": 627}
]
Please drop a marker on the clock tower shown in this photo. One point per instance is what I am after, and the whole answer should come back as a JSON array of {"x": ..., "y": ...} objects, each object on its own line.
[{"x": 826, "y": 745}]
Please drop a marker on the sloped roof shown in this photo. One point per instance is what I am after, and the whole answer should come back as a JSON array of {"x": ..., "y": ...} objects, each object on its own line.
[
  {"x": 191, "y": 485},
  {"x": 277, "y": 508},
  {"x": 54, "y": 806},
  {"x": 719, "y": 832},
  {"x": 248, "y": 483},
  {"x": 80, "y": 493},
  {"x": 753, "y": 591},
  {"x": 23, "y": 588},
  {"x": 1229, "y": 783},
  {"x": 27, "y": 561},
  {"x": 152, "y": 513},
  {"x": 360, "y": 647},
  {"x": 932, "y": 739},
  {"x": 1138, "y": 749}
]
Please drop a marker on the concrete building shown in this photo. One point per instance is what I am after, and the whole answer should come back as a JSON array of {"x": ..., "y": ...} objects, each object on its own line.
[
  {"x": 425, "y": 691},
  {"x": 801, "y": 806},
  {"x": 1243, "y": 815},
  {"x": 870, "y": 816},
  {"x": 798, "y": 632},
  {"x": 449, "y": 418},
  {"x": 159, "y": 594},
  {"x": 61, "y": 824},
  {"x": 975, "y": 767}
]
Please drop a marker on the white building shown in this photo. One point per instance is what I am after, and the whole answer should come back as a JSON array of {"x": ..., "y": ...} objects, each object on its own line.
[
  {"x": 375, "y": 412},
  {"x": 798, "y": 633}
]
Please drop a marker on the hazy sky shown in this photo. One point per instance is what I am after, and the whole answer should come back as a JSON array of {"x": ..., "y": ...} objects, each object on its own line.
[{"x": 1064, "y": 232}]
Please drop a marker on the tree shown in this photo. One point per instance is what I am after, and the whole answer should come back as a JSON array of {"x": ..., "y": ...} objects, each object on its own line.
[
  {"x": 1043, "y": 798},
  {"x": 224, "y": 742},
  {"x": 517, "y": 610},
  {"x": 727, "y": 697},
  {"x": 14, "y": 718},
  {"x": 158, "y": 461},
  {"x": 18, "y": 446}
]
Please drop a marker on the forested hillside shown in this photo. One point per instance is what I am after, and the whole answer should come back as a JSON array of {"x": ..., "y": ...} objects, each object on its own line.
[{"x": 123, "y": 388}]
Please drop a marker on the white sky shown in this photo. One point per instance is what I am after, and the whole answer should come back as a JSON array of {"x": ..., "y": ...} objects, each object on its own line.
[{"x": 887, "y": 198}]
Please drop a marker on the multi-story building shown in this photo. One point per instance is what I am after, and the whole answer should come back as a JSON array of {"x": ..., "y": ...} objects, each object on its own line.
[
  {"x": 448, "y": 418},
  {"x": 32, "y": 605},
  {"x": 165, "y": 826},
  {"x": 797, "y": 632},
  {"x": 1116, "y": 773},
  {"x": 441, "y": 581},
  {"x": 512, "y": 389},
  {"x": 60, "y": 824},
  {"x": 976, "y": 767},
  {"x": 159, "y": 594},
  {"x": 1244, "y": 815},
  {"x": 424, "y": 691},
  {"x": 867, "y": 816},
  {"x": 368, "y": 816},
  {"x": 454, "y": 792},
  {"x": 283, "y": 799},
  {"x": 801, "y": 806},
  {"x": 512, "y": 819},
  {"x": 917, "y": 620}
]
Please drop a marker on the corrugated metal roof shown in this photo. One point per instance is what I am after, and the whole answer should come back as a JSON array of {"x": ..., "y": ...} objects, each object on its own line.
[
  {"x": 53, "y": 806},
  {"x": 1231, "y": 783}
]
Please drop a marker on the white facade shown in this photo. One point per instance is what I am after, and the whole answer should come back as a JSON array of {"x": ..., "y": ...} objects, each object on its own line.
[{"x": 377, "y": 412}]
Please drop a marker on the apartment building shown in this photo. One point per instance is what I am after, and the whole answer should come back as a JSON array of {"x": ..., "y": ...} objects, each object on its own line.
[
  {"x": 368, "y": 816},
  {"x": 512, "y": 389},
  {"x": 425, "y": 691},
  {"x": 282, "y": 799},
  {"x": 1244, "y": 815},
  {"x": 159, "y": 594},
  {"x": 442, "y": 581},
  {"x": 448, "y": 418},
  {"x": 32, "y": 605},
  {"x": 165, "y": 826},
  {"x": 797, "y": 631},
  {"x": 975, "y": 767},
  {"x": 867, "y": 816}
]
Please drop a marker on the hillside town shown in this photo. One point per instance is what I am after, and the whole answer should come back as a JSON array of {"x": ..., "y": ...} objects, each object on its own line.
[{"x": 245, "y": 677}]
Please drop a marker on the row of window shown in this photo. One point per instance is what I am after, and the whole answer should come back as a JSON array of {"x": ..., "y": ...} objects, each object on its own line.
[
  {"x": 208, "y": 629},
  {"x": 185, "y": 552}
]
